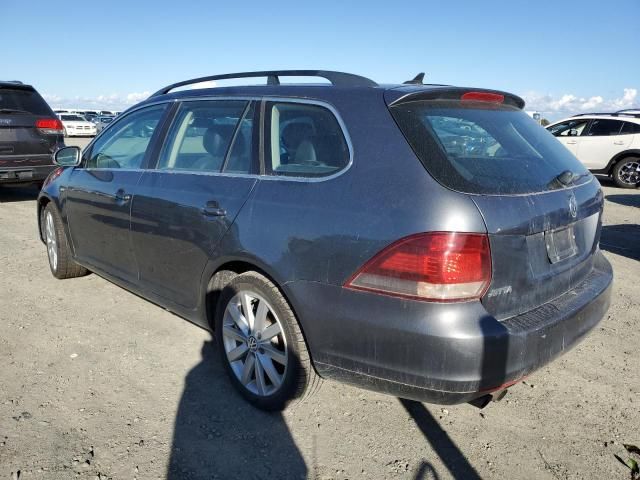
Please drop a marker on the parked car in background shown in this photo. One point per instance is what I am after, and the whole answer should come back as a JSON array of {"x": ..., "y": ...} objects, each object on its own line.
[
  {"x": 91, "y": 117},
  {"x": 102, "y": 121},
  {"x": 29, "y": 134},
  {"x": 430, "y": 242},
  {"x": 77, "y": 126},
  {"x": 606, "y": 143}
]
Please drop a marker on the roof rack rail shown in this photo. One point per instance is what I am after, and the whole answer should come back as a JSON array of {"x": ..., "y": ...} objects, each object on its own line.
[
  {"x": 273, "y": 78},
  {"x": 622, "y": 113}
]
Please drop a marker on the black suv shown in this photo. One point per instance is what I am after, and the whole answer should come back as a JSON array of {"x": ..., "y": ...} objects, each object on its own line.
[{"x": 29, "y": 133}]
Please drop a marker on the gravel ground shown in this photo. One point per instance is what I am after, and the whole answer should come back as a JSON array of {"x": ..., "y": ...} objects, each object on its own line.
[{"x": 96, "y": 383}]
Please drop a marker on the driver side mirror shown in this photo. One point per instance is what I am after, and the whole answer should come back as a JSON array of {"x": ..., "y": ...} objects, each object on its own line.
[{"x": 67, "y": 157}]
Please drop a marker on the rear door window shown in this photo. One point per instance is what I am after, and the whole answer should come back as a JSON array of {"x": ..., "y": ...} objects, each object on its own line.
[
  {"x": 201, "y": 135},
  {"x": 486, "y": 148},
  {"x": 604, "y": 128},
  {"x": 304, "y": 140}
]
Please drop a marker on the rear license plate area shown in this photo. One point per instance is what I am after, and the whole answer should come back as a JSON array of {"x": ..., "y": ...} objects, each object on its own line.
[
  {"x": 561, "y": 244},
  {"x": 25, "y": 175}
]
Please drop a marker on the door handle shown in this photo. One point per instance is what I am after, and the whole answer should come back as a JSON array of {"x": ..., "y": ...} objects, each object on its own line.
[
  {"x": 571, "y": 142},
  {"x": 212, "y": 209},
  {"x": 122, "y": 197},
  {"x": 618, "y": 142}
]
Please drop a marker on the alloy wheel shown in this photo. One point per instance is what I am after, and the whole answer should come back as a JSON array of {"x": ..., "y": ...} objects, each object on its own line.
[
  {"x": 52, "y": 244},
  {"x": 629, "y": 173},
  {"x": 254, "y": 343}
]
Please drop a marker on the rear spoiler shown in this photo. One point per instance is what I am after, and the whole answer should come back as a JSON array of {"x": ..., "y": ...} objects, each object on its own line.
[
  {"x": 459, "y": 93},
  {"x": 15, "y": 85}
]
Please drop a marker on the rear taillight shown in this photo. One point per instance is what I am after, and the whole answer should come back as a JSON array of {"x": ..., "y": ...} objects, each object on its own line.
[
  {"x": 50, "y": 126},
  {"x": 438, "y": 267},
  {"x": 482, "y": 97}
]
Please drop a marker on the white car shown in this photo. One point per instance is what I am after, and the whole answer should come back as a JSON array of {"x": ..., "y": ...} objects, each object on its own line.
[
  {"x": 76, "y": 126},
  {"x": 606, "y": 143}
]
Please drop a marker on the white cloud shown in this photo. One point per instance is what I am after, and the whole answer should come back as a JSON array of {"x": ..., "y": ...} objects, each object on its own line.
[
  {"x": 113, "y": 101},
  {"x": 569, "y": 104}
]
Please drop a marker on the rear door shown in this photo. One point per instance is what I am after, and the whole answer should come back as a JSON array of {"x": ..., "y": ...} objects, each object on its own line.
[
  {"x": 541, "y": 207},
  {"x": 601, "y": 142},
  {"x": 205, "y": 173},
  {"x": 99, "y": 194},
  {"x": 22, "y": 144}
]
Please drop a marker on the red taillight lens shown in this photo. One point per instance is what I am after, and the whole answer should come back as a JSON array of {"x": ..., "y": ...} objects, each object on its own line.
[
  {"x": 439, "y": 266},
  {"x": 482, "y": 97},
  {"x": 50, "y": 126}
]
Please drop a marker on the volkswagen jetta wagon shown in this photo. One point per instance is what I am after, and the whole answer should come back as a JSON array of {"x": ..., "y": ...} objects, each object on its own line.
[{"x": 426, "y": 241}]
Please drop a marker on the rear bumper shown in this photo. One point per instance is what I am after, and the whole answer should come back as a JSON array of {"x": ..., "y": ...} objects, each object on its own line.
[
  {"x": 441, "y": 353},
  {"x": 25, "y": 174}
]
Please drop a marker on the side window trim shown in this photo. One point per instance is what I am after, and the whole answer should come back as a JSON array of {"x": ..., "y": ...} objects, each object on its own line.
[{"x": 86, "y": 155}]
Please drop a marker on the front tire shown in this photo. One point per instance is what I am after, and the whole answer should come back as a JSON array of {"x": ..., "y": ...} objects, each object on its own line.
[
  {"x": 58, "y": 251},
  {"x": 261, "y": 345},
  {"x": 626, "y": 173}
]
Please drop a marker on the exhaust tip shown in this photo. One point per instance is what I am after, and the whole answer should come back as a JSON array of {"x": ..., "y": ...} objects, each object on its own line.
[{"x": 484, "y": 400}]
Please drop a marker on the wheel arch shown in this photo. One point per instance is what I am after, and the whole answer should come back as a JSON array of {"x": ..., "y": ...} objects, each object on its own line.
[
  {"x": 633, "y": 152},
  {"x": 43, "y": 201},
  {"x": 219, "y": 276}
]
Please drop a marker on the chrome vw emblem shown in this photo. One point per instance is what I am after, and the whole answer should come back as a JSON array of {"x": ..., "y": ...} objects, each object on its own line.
[
  {"x": 252, "y": 343},
  {"x": 573, "y": 206}
]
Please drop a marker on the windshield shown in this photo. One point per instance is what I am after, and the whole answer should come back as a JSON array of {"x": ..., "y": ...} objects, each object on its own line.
[
  {"x": 106, "y": 119},
  {"x": 73, "y": 118},
  {"x": 487, "y": 148}
]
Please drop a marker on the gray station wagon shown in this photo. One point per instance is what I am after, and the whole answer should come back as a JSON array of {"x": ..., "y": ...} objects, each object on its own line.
[{"x": 426, "y": 241}]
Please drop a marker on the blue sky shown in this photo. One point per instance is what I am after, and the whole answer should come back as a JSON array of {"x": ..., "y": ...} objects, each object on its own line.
[{"x": 561, "y": 56}]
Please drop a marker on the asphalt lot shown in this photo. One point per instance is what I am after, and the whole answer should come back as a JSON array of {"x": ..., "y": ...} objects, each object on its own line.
[{"x": 97, "y": 383}]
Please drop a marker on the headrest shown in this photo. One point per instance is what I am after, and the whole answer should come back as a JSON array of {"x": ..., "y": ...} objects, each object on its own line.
[
  {"x": 217, "y": 138},
  {"x": 294, "y": 133}
]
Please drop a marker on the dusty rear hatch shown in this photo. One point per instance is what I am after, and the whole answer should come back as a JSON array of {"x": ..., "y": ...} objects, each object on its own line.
[
  {"x": 29, "y": 130},
  {"x": 541, "y": 207}
]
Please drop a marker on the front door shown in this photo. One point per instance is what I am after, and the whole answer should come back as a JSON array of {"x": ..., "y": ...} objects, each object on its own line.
[
  {"x": 570, "y": 133},
  {"x": 184, "y": 207},
  {"x": 97, "y": 202}
]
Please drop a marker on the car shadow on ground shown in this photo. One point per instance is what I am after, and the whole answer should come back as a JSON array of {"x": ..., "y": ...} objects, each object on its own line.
[
  {"x": 9, "y": 194},
  {"x": 626, "y": 200},
  {"x": 219, "y": 435},
  {"x": 623, "y": 239}
]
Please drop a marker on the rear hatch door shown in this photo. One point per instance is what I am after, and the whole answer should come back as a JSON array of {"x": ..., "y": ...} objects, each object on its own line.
[
  {"x": 21, "y": 143},
  {"x": 541, "y": 207}
]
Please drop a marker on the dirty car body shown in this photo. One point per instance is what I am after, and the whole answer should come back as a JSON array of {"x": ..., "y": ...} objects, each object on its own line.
[{"x": 443, "y": 258}]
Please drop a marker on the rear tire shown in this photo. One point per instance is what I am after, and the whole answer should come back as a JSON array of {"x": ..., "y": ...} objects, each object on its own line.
[
  {"x": 626, "y": 173},
  {"x": 58, "y": 251},
  {"x": 261, "y": 345}
]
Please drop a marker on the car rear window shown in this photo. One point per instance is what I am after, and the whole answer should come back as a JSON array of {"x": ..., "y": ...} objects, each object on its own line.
[
  {"x": 486, "y": 148},
  {"x": 28, "y": 101}
]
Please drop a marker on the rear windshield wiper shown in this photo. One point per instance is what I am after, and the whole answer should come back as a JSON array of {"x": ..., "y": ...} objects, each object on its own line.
[
  {"x": 12, "y": 110},
  {"x": 565, "y": 179}
]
